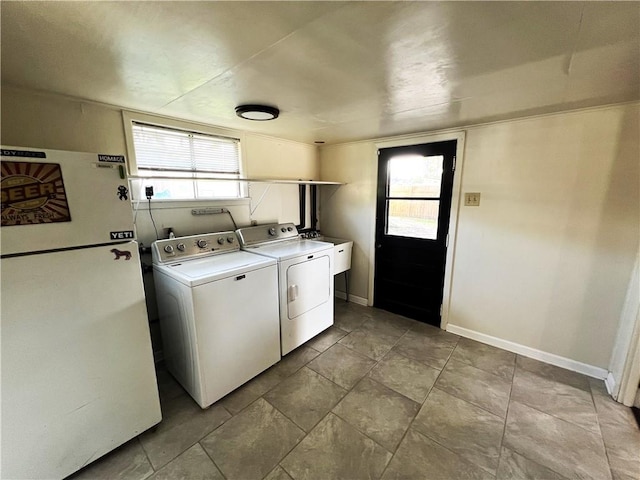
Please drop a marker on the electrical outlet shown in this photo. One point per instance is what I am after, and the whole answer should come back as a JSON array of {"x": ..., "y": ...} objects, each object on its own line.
[
  {"x": 472, "y": 199},
  {"x": 148, "y": 191}
]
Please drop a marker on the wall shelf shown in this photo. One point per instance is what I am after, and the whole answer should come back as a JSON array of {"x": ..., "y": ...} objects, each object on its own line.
[{"x": 248, "y": 180}]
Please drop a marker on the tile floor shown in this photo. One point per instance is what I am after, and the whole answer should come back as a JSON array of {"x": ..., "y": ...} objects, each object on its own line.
[{"x": 381, "y": 396}]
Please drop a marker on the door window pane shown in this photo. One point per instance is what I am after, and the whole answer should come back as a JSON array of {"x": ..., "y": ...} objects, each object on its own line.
[
  {"x": 415, "y": 176},
  {"x": 413, "y": 218}
]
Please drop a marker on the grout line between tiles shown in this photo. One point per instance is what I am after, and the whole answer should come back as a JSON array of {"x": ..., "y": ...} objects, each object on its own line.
[
  {"x": 291, "y": 449},
  {"x": 212, "y": 460},
  {"x": 364, "y": 433},
  {"x": 524, "y": 455},
  {"x": 604, "y": 444},
  {"x": 354, "y": 350},
  {"x": 428, "y": 437},
  {"x": 375, "y": 364},
  {"x": 368, "y": 375},
  {"x": 393, "y": 390},
  {"x": 294, "y": 422},
  {"x": 145, "y": 453},
  {"x": 567, "y": 422},
  {"x": 226, "y": 410},
  {"x": 357, "y": 353},
  {"x": 419, "y": 410},
  {"x": 506, "y": 416},
  {"x": 233, "y": 415},
  {"x": 469, "y": 363},
  {"x": 474, "y": 403},
  {"x": 285, "y": 470},
  {"x": 559, "y": 418},
  {"x": 327, "y": 378},
  {"x": 435, "y": 387},
  {"x": 361, "y": 432},
  {"x": 349, "y": 390}
]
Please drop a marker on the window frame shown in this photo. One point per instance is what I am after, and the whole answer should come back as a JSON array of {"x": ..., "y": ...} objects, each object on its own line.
[
  {"x": 389, "y": 198},
  {"x": 129, "y": 118}
]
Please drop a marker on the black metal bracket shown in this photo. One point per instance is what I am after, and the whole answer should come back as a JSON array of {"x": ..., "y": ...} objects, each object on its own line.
[
  {"x": 302, "y": 195},
  {"x": 302, "y": 206}
]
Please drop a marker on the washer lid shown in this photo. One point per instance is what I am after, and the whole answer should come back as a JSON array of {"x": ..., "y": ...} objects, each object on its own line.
[
  {"x": 204, "y": 270},
  {"x": 290, "y": 249}
]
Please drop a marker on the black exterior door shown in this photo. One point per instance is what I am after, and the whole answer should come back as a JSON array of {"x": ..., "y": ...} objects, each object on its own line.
[{"x": 412, "y": 222}]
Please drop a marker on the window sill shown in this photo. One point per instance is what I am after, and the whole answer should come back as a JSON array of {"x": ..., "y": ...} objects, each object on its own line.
[
  {"x": 249, "y": 180},
  {"x": 160, "y": 204}
]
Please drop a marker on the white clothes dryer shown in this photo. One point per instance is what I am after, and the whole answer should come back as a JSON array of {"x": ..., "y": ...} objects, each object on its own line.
[
  {"x": 218, "y": 309},
  {"x": 305, "y": 279}
]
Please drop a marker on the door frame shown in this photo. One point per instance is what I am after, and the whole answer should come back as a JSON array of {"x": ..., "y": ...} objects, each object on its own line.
[
  {"x": 624, "y": 367},
  {"x": 456, "y": 195}
]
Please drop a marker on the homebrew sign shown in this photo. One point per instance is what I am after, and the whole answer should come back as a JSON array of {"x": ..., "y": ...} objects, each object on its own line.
[{"x": 33, "y": 193}]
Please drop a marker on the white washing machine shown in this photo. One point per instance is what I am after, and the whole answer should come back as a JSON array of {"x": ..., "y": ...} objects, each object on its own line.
[
  {"x": 218, "y": 309},
  {"x": 305, "y": 279}
]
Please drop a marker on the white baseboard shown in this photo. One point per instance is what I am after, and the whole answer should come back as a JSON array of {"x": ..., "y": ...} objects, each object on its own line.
[
  {"x": 551, "y": 358},
  {"x": 352, "y": 298},
  {"x": 610, "y": 383}
]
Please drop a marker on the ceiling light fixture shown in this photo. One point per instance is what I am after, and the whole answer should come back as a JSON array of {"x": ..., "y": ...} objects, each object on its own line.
[{"x": 258, "y": 113}]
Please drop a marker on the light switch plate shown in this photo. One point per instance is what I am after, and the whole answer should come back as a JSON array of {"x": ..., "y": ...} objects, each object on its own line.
[{"x": 472, "y": 199}]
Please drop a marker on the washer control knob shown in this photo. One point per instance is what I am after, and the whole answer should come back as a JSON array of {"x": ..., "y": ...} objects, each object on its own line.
[
  {"x": 168, "y": 248},
  {"x": 283, "y": 230},
  {"x": 181, "y": 246},
  {"x": 272, "y": 231},
  {"x": 220, "y": 240},
  {"x": 290, "y": 229},
  {"x": 201, "y": 243},
  {"x": 230, "y": 239}
]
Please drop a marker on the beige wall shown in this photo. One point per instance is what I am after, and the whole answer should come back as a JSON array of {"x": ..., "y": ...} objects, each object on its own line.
[
  {"x": 48, "y": 121},
  {"x": 348, "y": 211},
  {"x": 270, "y": 157},
  {"x": 545, "y": 260},
  {"x": 33, "y": 119},
  {"x": 281, "y": 159}
]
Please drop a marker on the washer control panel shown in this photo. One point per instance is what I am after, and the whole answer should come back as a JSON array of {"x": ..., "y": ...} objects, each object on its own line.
[
  {"x": 267, "y": 233},
  {"x": 194, "y": 246}
]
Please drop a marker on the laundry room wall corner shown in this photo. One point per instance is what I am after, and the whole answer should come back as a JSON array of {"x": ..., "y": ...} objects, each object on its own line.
[{"x": 41, "y": 120}]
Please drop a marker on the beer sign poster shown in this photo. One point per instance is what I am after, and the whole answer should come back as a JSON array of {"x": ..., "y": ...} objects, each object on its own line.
[{"x": 33, "y": 193}]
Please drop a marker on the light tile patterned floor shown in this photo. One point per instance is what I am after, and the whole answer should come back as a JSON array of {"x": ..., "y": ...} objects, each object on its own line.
[{"x": 381, "y": 396}]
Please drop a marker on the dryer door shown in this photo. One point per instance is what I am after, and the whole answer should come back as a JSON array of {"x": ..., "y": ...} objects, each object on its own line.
[{"x": 308, "y": 285}]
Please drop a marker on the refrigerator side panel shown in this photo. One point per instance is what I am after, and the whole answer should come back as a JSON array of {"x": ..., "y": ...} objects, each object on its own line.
[
  {"x": 78, "y": 377},
  {"x": 66, "y": 199}
]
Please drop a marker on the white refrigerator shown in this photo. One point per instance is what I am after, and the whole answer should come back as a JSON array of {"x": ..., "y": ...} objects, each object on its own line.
[{"x": 77, "y": 370}]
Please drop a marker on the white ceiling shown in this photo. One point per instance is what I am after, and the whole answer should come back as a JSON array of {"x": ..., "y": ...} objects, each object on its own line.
[{"x": 338, "y": 71}]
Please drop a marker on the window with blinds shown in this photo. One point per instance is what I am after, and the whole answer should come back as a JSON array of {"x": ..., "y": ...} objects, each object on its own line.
[{"x": 167, "y": 152}]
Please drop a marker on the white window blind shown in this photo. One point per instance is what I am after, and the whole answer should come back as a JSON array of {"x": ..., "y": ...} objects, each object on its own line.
[
  {"x": 165, "y": 149},
  {"x": 167, "y": 152}
]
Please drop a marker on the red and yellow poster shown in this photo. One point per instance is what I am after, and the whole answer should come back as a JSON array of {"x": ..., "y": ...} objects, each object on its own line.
[{"x": 33, "y": 193}]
